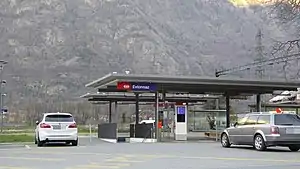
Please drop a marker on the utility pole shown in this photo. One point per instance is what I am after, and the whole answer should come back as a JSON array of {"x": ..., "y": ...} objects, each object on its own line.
[
  {"x": 259, "y": 62},
  {"x": 260, "y": 71},
  {"x": 2, "y": 82}
]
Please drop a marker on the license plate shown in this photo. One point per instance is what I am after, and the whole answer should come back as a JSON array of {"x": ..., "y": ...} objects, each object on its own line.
[
  {"x": 292, "y": 131},
  {"x": 56, "y": 127}
]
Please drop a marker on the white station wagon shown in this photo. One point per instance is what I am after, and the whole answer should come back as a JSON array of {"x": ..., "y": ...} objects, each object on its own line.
[{"x": 56, "y": 127}]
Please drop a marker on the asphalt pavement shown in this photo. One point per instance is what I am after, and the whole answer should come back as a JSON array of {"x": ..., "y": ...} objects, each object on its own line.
[{"x": 91, "y": 154}]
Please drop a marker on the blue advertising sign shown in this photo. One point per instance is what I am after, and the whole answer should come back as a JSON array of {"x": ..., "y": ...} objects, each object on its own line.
[
  {"x": 143, "y": 87},
  {"x": 181, "y": 110}
]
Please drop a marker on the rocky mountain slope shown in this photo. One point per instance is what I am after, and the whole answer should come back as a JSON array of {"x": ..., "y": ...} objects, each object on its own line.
[{"x": 54, "y": 47}]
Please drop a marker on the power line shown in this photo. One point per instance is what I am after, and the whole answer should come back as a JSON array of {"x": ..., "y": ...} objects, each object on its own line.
[{"x": 258, "y": 64}]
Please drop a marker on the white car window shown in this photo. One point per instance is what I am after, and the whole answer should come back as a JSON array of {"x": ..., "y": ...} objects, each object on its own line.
[{"x": 59, "y": 118}]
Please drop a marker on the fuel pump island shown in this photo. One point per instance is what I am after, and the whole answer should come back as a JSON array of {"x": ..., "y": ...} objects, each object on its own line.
[
  {"x": 180, "y": 109},
  {"x": 160, "y": 85}
]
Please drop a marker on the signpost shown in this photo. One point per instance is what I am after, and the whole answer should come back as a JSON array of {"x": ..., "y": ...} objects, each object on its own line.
[
  {"x": 136, "y": 87},
  {"x": 2, "y": 82},
  {"x": 143, "y": 87}
]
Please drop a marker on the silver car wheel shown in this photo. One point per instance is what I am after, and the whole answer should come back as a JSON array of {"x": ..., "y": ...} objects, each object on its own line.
[
  {"x": 224, "y": 140},
  {"x": 258, "y": 142}
]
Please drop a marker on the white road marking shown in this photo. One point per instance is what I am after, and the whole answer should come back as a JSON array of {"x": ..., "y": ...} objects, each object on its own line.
[{"x": 35, "y": 159}]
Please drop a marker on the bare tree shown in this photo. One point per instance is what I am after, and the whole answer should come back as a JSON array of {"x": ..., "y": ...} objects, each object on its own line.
[
  {"x": 288, "y": 13},
  {"x": 286, "y": 48}
]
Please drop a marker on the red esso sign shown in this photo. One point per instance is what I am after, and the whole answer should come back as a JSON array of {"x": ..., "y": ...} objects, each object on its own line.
[{"x": 123, "y": 86}]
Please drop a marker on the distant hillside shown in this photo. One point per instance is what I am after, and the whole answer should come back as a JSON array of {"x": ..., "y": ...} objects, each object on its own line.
[{"x": 54, "y": 47}]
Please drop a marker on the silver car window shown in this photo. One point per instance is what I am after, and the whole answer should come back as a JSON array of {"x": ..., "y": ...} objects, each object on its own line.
[
  {"x": 287, "y": 119},
  {"x": 251, "y": 120},
  {"x": 264, "y": 119},
  {"x": 243, "y": 120}
]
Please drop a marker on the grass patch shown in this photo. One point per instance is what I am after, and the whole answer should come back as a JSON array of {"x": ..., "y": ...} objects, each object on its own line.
[
  {"x": 85, "y": 130},
  {"x": 9, "y": 138},
  {"x": 32, "y": 132},
  {"x": 31, "y": 129}
]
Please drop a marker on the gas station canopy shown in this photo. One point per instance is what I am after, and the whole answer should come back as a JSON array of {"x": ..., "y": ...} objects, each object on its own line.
[
  {"x": 189, "y": 84},
  {"x": 138, "y": 84},
  {"x": 146, "y": 97}
]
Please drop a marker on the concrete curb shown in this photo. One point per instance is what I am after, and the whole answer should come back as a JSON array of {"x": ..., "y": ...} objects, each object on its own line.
[
  {"x": 13, "y": 146},
  {"x": 109, "y": 140},
  {"x": 174, "y": 141},
  {"x": 142, "y": 140},
  {"x": 86, "y": 136},
  {"x": 15, "y": 143}
]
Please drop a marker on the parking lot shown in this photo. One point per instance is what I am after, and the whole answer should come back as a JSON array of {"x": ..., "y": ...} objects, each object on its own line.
[{"x": 97, "y": 154}]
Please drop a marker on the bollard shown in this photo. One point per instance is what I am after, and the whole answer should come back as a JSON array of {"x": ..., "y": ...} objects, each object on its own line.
[{"x": 90, "y": 127}]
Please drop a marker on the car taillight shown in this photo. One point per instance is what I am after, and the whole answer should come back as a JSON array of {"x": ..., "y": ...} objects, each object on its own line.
[
  {"x": 274, "y": 130},
  {"x": 73, "y": 125},
  {"x": 44, "y": 125}
]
